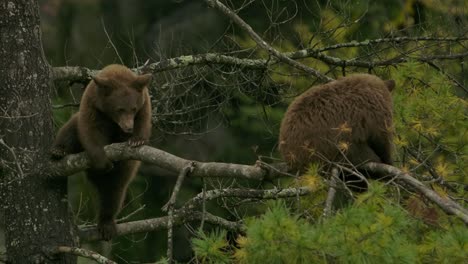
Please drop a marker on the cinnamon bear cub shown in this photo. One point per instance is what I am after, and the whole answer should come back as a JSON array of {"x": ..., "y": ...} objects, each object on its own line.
[
  {"x": 348, "y": 120},
  {"x": 115, "y": 107}
]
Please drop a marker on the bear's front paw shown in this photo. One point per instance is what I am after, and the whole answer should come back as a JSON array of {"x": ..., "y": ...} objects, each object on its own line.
[
  {"x": 108, "y": 230},
  {"x": 57, "y": 153},
  {"x": 136, "y": 141},
  {"x": 103, "y": 165}
]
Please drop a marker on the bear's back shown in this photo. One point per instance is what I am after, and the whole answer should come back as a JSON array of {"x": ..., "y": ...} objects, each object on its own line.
[{"x": 346, "y": 111}]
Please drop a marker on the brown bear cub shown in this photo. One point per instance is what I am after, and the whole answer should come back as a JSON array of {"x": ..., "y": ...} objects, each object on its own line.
[
  {"x": 115, "y": 107},
  {"x": 348, "y": 120}
]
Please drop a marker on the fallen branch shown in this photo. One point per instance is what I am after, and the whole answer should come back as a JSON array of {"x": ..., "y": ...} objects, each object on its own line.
[{"x": 446, "y": 204}]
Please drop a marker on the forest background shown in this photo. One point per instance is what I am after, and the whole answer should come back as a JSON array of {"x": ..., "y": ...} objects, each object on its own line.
[{"x": 231, "y": 113}]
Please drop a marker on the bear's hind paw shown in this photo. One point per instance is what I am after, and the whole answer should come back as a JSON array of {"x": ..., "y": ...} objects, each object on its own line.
[{"x": 57, "y": 153}]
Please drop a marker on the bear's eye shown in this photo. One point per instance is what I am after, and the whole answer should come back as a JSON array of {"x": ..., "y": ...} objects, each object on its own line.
[
  {"x": 120, "y": 110},
  {"x": 134, "y": 109}
]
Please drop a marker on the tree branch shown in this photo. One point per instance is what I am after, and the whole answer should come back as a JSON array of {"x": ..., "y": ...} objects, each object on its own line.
[
  {"x": 187, "y": 213},
  {"x": 245, "y": 193},
  {"x": 81, "y": 252},
  {"x": 121, "y": 151},
  {"x": 81, "y": 74},
  {"x": 170, "y": 208},
  {"x": 448, "y": 206}
]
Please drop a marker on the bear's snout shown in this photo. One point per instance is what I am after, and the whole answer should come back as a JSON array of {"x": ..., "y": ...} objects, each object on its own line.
[
  {"x": 128, "y": 130},
  {"x": 126, "y": 125}
]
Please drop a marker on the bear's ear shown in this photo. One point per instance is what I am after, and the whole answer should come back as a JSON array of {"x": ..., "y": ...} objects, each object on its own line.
[
  {"x": 142, "y": 81},
  {"x": 390, "y": 84},
  {"x": 103, "y": 85}
]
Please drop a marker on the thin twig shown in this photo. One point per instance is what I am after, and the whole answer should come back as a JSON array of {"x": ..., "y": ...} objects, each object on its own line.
[
  {"x": 124, "y": 218},
  {"x": 170, "y": 208},
  {"x": 65, "y": 105},
  {"x": 262, "y": 43},
  {"x": 110, "y": 40}
]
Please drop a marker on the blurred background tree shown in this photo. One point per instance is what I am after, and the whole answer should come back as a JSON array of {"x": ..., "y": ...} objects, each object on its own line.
[{"x": 232, "y": 114}]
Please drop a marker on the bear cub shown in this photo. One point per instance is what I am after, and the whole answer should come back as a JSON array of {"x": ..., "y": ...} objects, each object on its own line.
[
  {"x": 348, "y": 120},
  {"x": 115, "y": 107}
]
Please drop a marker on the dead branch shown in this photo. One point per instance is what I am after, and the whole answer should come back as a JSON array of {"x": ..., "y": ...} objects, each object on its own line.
[{"x": 81, "y": 252}]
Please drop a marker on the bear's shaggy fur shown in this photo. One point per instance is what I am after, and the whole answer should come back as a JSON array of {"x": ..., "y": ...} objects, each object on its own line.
[
  {"x": 115, "y": 107},
  {"x": 347, "y": 120}
]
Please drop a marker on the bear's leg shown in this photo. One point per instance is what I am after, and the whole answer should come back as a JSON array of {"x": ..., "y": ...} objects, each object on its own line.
[
  {"x": 360, "y": 153},
  {"x": 67, "y": 141},
  {"x": 382, "y": 146},
  {"x": 112, "y": 187}
]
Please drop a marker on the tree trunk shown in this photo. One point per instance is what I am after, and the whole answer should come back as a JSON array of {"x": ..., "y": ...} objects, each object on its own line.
[{"x": 36, "y": 210}]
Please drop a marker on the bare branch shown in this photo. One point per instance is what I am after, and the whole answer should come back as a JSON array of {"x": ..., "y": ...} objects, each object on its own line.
[
  {"x": 82, "y": 74},
  {"x": 81, "y": 252},
  {"x": 121, "y": 151},
  {"x": 389, "y": 40},
  {"x": 72, "y": 74},
  {"x": 147, "y": 225},
  {"x": 262, "y": 43},
  {"x": 170, "y": 208},
  {"x": 245, "y": 193}
]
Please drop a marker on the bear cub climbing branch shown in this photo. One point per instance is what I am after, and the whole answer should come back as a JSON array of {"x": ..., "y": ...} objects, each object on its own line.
[
  {"x": 348, "y": 120},
  {"x": 115, "y": 107}
]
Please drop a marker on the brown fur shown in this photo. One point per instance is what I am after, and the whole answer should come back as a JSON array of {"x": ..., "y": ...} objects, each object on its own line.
[
  {"x": 115, "y": 107},
  {"x": 349, "y": 119}
]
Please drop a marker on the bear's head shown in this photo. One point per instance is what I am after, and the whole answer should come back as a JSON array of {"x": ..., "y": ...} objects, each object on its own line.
[{"x": 121, "y": 94}]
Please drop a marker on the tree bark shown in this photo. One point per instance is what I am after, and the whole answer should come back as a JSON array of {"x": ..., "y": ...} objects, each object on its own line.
[{"x": 36, "y": 210}]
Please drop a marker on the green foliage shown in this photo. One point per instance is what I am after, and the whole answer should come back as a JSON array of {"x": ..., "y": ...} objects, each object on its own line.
[
  {"x": 211, "y": 248},
  {"x": 277, "y": 237},
  {"x": 430, "y": 122},
  {"x": 446, "y": 247},
  {"x": 373, "y": 230}
]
